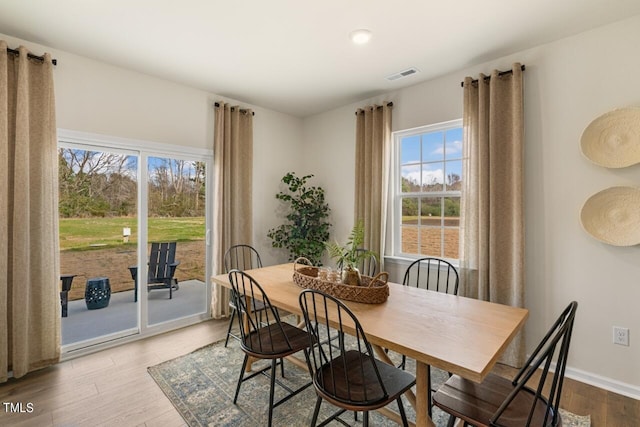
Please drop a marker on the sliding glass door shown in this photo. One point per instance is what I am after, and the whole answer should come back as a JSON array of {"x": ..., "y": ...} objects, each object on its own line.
[
  {"x": 97, "y": 204},
  {"x": 133, "y": 248},
  {"x": 176, "y": 230}
]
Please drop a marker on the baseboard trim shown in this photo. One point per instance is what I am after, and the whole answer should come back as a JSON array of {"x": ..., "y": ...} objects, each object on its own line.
[{"x": 605, "y": 383}]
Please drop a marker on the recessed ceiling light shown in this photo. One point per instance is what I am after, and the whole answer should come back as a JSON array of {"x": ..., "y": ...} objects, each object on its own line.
[{"x": 360, "y": 36}]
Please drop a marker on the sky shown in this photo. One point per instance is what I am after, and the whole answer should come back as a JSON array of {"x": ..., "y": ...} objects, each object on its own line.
[{"x": 431, "y": 155}]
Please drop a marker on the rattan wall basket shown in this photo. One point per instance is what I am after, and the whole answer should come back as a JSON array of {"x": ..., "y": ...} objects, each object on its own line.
[{"x": 374, "y": 290}]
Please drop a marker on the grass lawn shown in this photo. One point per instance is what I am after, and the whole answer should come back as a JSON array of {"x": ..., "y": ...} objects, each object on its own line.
[{"x": 80, "y": 234}]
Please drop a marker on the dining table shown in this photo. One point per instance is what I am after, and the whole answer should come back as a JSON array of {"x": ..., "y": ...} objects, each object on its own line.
[{"x": 463, "y": 336}]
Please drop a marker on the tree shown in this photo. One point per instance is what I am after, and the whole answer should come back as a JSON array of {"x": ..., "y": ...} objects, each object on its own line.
[
  {"x": 93, "y": 183},
  {"x": 307, "y": 228},
  {"x": 454, "y": 182}
]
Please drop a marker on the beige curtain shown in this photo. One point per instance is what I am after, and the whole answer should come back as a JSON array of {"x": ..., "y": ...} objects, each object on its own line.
[
  {"x": 29, "y": 263},
  {"x": 233, "y": 166},
  {"x": 373, "y": 151},
  {"x": 492, "y": 262}
]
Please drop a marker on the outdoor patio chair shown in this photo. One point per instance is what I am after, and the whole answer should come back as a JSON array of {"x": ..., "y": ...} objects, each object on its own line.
[
  {"x": 67, "y": 280},
  {"x": 162, "y": 267}
]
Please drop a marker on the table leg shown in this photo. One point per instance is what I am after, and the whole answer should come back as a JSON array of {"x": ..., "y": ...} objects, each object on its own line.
[
  {"x": 422, "y": 388},
  {"x": 245, "y": 321}
]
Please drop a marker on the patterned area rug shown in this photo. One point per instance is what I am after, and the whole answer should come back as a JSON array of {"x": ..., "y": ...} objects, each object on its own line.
[{"x": 201, "y": 386}]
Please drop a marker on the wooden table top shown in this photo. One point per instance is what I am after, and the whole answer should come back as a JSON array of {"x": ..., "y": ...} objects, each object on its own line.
[{"x": 461, "y": 335}]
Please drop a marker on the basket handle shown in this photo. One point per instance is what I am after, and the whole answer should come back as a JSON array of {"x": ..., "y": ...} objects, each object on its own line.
[
  {"x": 297, "y": 261},
  {"x": 378, "y": 276}
]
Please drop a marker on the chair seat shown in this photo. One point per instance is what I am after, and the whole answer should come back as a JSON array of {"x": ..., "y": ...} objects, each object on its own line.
[
  {"x": 477, "y": 403},
  {"x": 359, "y": 387},
  {"x": 269, "y": 342}
]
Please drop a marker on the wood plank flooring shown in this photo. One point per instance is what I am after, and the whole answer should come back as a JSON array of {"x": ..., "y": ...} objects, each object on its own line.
[{"x": 112, "y": 388}]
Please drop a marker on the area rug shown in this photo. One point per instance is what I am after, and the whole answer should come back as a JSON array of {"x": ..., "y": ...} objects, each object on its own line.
[{"x": 201, "y": 386}]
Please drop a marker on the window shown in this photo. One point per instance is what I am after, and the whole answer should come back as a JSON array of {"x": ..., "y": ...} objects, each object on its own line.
[{"x": 427, "y": 192}]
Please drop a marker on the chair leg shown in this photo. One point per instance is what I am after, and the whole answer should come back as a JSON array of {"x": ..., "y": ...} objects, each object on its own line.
[
  {"x": 244, "y": 365},
  {"x": 365, "y": 419},
  {"x": 272, "y": 390},
  {"x": 403, "y": 415},
  {"x": 452, "y": 421},
  {"x": 233, "y": 315},
  {"x": 316, "y": 411}
]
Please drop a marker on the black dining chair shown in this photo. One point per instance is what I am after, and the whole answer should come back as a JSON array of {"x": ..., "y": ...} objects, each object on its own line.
[
  {"x": 264, "y": 336},
  {"x": 498, "y": 401},
  {"x": 240, "y": 257},
  {"x": 434, "y": 274},
  {"x": 347, "y": 375}
]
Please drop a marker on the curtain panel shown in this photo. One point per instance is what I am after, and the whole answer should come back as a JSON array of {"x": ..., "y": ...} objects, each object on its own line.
[
  {"x": 233, "y": 173},
  {"x": 373, "y": 153},
  {"x": 29, "y": 259},
  {"x": 492, "y": 225}
]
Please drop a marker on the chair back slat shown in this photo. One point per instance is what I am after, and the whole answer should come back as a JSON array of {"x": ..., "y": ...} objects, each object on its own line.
[
  {"x": 434, "y": 274},
  {"x": 553, "y": 349},
  {"x": 339, "y": 365},
  {"x": 247, "y": 293},
  {"x": 241, "y": 257}
]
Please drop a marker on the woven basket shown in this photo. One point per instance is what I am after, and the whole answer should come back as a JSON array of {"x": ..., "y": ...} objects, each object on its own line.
[{"x": 374, "y": 290}]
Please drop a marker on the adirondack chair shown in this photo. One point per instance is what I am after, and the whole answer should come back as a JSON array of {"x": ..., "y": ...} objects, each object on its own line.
[{"x": 162, "y": 267}]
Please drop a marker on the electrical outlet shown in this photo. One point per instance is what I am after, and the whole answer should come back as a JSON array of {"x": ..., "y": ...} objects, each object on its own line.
[{"x": 620, "y": 335}]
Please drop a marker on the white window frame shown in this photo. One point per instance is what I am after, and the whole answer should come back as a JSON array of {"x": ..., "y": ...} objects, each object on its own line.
[{"x": 396, "y": 186}]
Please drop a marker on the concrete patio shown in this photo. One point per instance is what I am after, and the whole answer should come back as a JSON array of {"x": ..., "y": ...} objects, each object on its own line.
[{"x": 121, "y": 314}]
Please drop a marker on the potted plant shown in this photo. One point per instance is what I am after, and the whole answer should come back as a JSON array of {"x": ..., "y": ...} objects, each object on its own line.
[
  {"x": 349, "y": 255},
  {"x": 307, "y": 228}
]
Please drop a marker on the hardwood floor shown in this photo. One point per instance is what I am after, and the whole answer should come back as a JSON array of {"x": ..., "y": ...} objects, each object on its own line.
[
  {"x": 107, "y": 388},
  {"x": 112, "y": 387}
]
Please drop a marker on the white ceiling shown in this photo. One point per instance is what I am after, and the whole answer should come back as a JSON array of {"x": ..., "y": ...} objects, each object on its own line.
[{"x": 294, "y": 56}]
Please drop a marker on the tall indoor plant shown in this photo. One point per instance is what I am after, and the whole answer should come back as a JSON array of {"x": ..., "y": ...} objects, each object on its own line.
[{"x": 307, "y": 228}]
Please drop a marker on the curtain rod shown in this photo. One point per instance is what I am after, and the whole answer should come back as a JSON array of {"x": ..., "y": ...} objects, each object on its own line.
[
  {"x": 389, "y": 104},
  {"x": 31, "y": 56},
  {"x": 242, "y": 110},
  {"x": 500, "y": 74}
]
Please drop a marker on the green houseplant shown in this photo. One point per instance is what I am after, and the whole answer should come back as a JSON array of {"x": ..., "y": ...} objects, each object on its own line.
[
  {"x": 307, "y": 228},
  {"x": 349, "y": 255}
]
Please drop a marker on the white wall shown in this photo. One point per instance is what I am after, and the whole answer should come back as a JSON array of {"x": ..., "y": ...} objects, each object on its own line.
[
  {"x": 568, "y": 83},
  {"x": 99, "y": 98}
]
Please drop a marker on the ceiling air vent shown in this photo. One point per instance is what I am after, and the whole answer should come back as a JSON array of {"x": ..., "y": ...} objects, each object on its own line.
[{"x": 402, "y": 74}]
